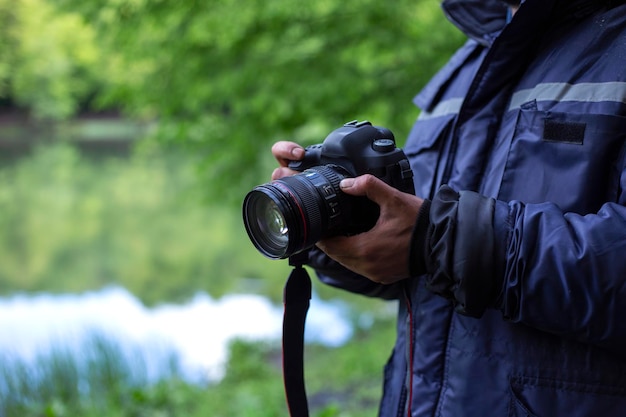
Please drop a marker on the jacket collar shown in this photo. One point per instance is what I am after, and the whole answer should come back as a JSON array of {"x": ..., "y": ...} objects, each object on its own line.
[{"x": 481, "y": 20}]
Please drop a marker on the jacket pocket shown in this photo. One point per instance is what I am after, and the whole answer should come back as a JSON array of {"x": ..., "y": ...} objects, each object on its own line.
[
  {"x": 423, "y": 148},
  {"x": 573, "y": 160},
  {"x": 544, "y": 397}
]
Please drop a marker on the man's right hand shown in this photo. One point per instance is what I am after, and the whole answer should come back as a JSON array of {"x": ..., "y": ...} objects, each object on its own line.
[{"x": 285, "y": 152}]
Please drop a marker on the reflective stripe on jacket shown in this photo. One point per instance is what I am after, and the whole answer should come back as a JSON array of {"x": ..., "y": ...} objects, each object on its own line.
[{"x": 525, "y": 129}]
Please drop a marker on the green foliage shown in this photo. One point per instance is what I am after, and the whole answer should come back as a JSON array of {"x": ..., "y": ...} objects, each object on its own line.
[
  {"x": 50, "y": 61},
  {"x": 226, "y": 78},
  {"x": 7, "y": 40}
]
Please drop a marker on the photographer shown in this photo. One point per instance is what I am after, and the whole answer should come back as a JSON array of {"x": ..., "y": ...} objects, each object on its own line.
[{"x": 510, "y": 263}]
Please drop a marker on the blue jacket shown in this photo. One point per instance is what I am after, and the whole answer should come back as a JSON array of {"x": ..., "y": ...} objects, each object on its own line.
[{"x": 518, "y": 303}]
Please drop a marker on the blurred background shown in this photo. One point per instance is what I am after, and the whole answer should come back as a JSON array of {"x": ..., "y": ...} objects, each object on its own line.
[{"x": 130, "y": 130}]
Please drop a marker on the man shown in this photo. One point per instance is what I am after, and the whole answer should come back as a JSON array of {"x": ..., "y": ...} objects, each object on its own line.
[{"x": 510, "y": 263}]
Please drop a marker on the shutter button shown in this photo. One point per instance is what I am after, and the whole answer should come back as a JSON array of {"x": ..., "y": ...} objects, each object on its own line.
[{"x": 384, "y": 145}]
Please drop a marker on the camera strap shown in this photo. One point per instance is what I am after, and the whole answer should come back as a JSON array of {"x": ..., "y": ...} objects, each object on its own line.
[{"x": 296, "y": 298}]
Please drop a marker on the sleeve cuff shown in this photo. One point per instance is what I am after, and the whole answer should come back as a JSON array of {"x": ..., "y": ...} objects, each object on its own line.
[{"x": 419, "y": 238}]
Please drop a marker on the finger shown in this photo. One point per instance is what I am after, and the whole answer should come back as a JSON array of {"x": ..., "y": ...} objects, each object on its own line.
[
  {"x": 285, "y": 151},
  {"x": 282, "y": 172},
  {"x": 369, "y": 186}
]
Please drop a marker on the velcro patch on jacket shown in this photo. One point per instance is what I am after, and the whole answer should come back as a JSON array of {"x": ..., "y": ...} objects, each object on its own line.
[{"x": 566, "y": 132}]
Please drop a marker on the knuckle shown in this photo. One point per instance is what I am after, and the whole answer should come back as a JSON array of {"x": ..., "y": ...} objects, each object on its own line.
[
  {"x": 365, "y": 181},
  {"x": 368, "y": 179}
]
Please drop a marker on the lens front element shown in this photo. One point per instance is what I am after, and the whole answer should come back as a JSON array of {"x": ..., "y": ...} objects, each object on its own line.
[{"x": 273, "y": 224}]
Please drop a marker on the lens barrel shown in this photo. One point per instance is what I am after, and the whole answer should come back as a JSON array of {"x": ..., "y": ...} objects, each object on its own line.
[{"x": 291, "y": 214}]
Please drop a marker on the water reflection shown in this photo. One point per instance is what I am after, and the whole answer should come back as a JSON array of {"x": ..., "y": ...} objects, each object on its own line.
[{"x": 197, "y": 332}]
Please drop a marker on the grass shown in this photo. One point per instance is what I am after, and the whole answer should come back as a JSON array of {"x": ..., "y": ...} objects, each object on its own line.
[{"x": 91, "y": 378}]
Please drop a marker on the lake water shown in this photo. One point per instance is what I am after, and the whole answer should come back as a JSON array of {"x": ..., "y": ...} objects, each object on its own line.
[{"x": 197, "y": 332}]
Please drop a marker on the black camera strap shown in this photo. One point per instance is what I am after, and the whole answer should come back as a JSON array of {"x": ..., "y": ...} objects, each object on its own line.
[{"x": 297, "y": 298}]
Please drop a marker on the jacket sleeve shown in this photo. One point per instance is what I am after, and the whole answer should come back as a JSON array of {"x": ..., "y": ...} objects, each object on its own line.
[{"x": 562, "y": 273}]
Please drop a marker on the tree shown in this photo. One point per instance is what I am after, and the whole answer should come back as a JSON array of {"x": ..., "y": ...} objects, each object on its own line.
[
  {"x": 226, "y": 78},
  {"x": 49, "y": 60}
]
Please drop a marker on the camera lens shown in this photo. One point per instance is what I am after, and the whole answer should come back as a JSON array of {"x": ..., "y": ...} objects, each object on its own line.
[{"x": 289, "y": 215}]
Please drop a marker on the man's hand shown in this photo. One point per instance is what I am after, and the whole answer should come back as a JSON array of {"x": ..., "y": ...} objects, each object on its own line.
[
  {"x": 284, "y": 152},
  {"x": 380, "y": 254}
]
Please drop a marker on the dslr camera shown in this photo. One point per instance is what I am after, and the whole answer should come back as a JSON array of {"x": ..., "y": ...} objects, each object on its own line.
[{"x": 289, "y": 215}]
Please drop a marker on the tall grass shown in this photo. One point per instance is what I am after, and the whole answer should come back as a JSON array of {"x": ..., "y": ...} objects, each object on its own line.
[{"x": 92, "y": 377}]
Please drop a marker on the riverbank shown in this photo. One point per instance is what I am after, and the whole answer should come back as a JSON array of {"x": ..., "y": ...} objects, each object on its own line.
[{"x": 197, "y": 332}]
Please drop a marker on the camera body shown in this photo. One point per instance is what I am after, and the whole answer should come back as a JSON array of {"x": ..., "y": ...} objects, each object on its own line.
[
  {"x": 291, "y": 214},
  {"x": 358, "y": 148}
]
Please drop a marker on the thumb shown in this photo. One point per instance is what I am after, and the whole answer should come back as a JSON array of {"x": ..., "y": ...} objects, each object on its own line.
[{"x": 366, "y": 185}]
